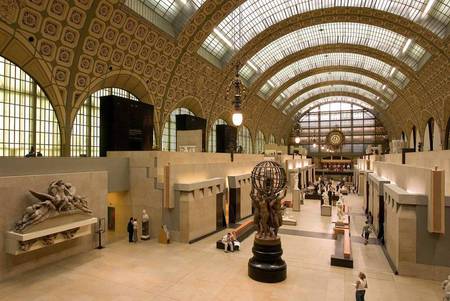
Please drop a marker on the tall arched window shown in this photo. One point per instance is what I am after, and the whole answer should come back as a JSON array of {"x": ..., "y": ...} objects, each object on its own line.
[
  {"x": 272, "y": 139},
  {"x": 27, "y": 117},
  {"x": 414, "y": 139},
  {"x": 85, "y": 138},
  {"x": 282, "y": 141},
  {"x": 428, "y": 135},
  {"x": 169, "y": 137},
  {"x": 260, "y": 143},
  {"x": 213, "y": 134},
  {"x": 245, "y": 140},
  {"x": 357, "y": 123}
]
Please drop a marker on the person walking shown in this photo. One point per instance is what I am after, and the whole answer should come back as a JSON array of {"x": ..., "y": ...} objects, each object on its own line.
[
  {"x": 130, "y": 230},
  {"x": 360, "y": 286},
  {"x": 366, "y": 232},
  {"x": 135, "y": 230}
]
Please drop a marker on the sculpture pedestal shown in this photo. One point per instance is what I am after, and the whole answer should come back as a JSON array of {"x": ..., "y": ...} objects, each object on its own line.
[
  {"x": 325, "y": 210},
  {"x": 296, "y": 200},
  {"x": 266, "y": 265},
  {"x": 145, "y": 230}
]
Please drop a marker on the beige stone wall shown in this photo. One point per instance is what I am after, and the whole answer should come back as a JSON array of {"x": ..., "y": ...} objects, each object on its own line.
[
  {"x": 147, "y": 181},
  {"x": 440, "y": 158},
  {"x": 391, "y": 230},
  {"x": 197, "y": 213},
  {"x": 418, "y": 179},
  {"x": 246, "y": 201},
  {"x": 14, "y": 197},
  {"x": 375, "y": 206}
]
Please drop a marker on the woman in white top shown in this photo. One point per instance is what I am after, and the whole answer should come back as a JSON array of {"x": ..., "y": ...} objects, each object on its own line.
[{"x": 361, "y": 286}]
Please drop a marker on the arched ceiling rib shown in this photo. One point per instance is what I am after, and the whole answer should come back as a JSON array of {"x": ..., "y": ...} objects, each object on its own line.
[
  {"x": 289, "y": 107},
  {"x": 337, "y": 95},
  {"x": 326, "y": 100},
  {"x": 258, "y": 15},
  {"x": 335, "y": 76},
  {"x": 336, "y": 59},
  {"x": 352, "y": 33},
  {"x": 386, "y": 119}
]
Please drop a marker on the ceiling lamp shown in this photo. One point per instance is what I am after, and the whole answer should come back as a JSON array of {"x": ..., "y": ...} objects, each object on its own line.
[
  {"x": 239, "y": 92},
  {"x": 236, "y": 86},
  {"x": 314, "y": 139},
  {"x": 296, "y": 131}
]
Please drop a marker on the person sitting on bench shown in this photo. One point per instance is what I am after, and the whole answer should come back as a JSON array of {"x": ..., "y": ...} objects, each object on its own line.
[{"x": 227, "y": 241}]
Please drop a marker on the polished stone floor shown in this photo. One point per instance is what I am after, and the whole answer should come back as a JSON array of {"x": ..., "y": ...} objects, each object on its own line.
[{"x": 151, "y": 271}]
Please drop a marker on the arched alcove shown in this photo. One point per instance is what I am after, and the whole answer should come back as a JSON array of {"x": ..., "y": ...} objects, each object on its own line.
[{"x": 169, "y": 136}]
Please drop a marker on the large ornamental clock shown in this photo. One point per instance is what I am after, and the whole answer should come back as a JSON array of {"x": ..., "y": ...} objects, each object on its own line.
[{"x": 335, "y": 138}]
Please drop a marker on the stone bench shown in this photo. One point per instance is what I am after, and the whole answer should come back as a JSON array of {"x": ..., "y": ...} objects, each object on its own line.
[{"x": 241, "y": 233}]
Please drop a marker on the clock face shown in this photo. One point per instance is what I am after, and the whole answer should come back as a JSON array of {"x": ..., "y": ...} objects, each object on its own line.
[{"x": 335, "y": 138}]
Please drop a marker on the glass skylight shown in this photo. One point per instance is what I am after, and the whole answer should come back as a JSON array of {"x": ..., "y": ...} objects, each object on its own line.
[
  {"x": 258, "y": 15},
  {"x": 169, "y": 10},
  {"x": 339, "y": 33},
  {"x": 332, "y": 99},
  {"x": 334, "y": 76},
  {"x": 331, "y": 89},
  {"x": 340, "y": 59}
]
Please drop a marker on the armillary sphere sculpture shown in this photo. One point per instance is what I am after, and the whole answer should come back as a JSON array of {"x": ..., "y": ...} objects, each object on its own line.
[{"x": 268, "y": 189}]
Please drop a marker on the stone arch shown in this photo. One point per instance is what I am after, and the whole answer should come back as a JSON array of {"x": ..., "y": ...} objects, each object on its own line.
[
  {"x": 22, "y": 51},
  {"x": 447, "y": 135},
  {"x": 331, "y": 83},
  {"x": 387, "y": 120}
]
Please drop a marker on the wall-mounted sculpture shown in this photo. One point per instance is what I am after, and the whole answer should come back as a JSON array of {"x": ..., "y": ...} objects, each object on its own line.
[
  {"x": 268, "y": 189},
  {"x": 60, "y": 199}
]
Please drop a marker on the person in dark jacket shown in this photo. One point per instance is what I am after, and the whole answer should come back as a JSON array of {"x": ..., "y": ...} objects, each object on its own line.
[{"x": 130, "y": 230}]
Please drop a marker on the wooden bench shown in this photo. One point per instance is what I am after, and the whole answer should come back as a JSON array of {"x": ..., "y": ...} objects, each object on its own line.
[{"x": 241, "y": 233}]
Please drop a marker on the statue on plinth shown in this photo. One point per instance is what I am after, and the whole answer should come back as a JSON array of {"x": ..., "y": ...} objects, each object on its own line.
[
  {"x": 325, "y": 199},
  {"x": 145, "y": 226},
  {"x": 340, "y": 211},
  {"x": 268, "y": 190}
]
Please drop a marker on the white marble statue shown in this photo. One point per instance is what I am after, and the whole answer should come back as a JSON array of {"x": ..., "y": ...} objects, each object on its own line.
[
  {"x": 145, "y": 225},
  {"x": 446, "y": 288},
  {"x": 326, "y": 201},
  {"x": 340, "y": 210}
]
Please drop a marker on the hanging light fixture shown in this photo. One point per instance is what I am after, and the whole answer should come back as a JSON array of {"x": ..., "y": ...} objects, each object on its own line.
[
  {"x": 296, "y": 131},
  {"x": 237, "y": 86},
  {"x": 314, "y": 139},
  {"x": 239, "y": 93}
]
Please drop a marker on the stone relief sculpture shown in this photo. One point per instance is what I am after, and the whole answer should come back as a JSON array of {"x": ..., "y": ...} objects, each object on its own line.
[{"x": 60, "y": 199}]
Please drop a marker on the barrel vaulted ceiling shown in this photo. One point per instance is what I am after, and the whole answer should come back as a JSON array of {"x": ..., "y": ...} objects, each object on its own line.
[{"x": 391, "y": 56}]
